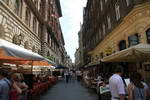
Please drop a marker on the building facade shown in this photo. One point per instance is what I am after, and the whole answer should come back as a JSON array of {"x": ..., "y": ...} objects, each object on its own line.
[
  {"x": 79, "y": 52},
  {"x": 77, "y": 57},
  {"x": 80, "y": 35},
  {"x": 34, "y": 25},
  {"x": 110, "y": 26},
  {"x": 52, "y": 40},
  {"x": 19, "y": 24},
  {"x": 68, "y": 62}
]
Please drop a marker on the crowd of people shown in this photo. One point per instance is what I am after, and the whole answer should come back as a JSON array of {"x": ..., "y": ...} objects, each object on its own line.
[
  {"x": 18, "y": 86},
  {"x": 12, "y": 86},
  {"x": 118, "y": 88},
  {"x": 137, "y": 89},
  {"x": 69, "y": 75},
  {"x": 114, "y": 87}
]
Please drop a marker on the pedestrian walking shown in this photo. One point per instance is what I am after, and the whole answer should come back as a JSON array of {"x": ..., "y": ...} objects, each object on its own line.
[
  {"x": 137, "y": 90},
  {"x": 70, "y": 75},
  {"x": 66, "y": 76},
  {"x": 73, "y": 76},
  {"x": 79, "y": 75},
  {"x": 5, "y": 85},
  {"x": 87, "y": 80},
  {"x": 116, "y": 85}
]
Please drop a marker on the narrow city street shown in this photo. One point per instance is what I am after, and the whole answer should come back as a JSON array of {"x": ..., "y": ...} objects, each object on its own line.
[
  {"x": 70, "y": 91},
  {"x": 105, "y": 44}
]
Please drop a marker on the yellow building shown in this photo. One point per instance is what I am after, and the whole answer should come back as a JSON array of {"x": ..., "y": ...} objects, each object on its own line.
[{"x": 136, "y": 23}]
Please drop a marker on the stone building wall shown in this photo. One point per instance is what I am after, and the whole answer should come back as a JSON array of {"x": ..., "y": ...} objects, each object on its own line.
[
  {"x": 135, "y": 22},
  {"x": 101, "y": 19},
  {"x": 12, "y": 25}
]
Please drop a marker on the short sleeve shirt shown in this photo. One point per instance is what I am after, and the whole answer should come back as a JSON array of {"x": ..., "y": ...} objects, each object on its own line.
[
  {"x": 4, "y": 89},
  {"x": 116, "y": 85}
]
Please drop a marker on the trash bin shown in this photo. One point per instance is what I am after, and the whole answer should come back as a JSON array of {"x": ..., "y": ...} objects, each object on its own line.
[{"x": 105, "y": 96}]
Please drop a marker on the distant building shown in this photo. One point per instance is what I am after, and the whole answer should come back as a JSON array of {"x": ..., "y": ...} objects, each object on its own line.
[
  {"x": 68, "y": 62},
  {"x": 77, "y": 58},
  {"x": 52, "y": 40},
  {"x": 81, "y": 49}
]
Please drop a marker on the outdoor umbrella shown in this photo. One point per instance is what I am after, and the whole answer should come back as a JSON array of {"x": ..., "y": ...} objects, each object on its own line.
[
  {"x": 11, "y": 52},
  {"x": 60, "y": 67},
  {"x": 140, "y": 52},
  {"x": 50, "y": 62},
  {"x": 14, "y": 54}
]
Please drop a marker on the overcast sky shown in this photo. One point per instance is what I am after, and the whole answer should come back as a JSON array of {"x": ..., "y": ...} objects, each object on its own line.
[{"x": 72, "y": 11}]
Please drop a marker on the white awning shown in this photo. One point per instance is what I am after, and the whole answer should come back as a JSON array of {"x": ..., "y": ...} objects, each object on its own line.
[
  {"x": 92, "y": 64},
  {"x": 140, "y": 52},
  {"x": 10, "y": 51}
]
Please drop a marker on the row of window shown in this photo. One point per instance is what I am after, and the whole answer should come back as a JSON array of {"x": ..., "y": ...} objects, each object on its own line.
[
  {"x": 51, "y": 57},
  {"x": 52, "y": 44},
  {"x": 102, "y": 32},
  {"x": 117, "y": 7},
  {"x": 117, "y": 12},
  {"x": 132, "y": 40},
  {"x": 18, "y": 41},
  {"x": 30, "y": 19}
]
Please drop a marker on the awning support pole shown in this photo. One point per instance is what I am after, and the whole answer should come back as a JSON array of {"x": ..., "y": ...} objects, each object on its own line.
[{"x": 31, "y": 66}]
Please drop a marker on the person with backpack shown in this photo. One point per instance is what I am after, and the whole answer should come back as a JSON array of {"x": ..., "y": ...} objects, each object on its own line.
[
  {"x": 5, "y": 85},
  {"x": 137, "y": 90}
]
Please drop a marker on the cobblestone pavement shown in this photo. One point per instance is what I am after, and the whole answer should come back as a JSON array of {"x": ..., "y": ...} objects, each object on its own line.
[{"x": 70, "y": 91}]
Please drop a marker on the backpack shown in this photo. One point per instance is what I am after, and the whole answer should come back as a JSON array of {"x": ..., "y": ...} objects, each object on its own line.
[{"x": 138, "y": 93}]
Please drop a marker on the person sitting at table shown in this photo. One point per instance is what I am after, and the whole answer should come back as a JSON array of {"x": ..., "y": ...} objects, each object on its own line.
[
  {"x": 19, "y": 87},
  {"x": 87, "y": 80},
  {"x": 15, "y": 89},
  {"x": 23, "y": 86},
  {"x": 35, "y": 80},
  {"x": 104, "y": 93},
  {"x": 99, "y": 77}
]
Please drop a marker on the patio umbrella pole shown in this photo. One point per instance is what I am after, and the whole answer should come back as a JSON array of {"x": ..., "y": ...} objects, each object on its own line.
[{"x": 31, "y": 66}]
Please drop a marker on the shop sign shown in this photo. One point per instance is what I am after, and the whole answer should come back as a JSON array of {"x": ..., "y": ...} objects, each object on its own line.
[
  {"x": 108, "y": 50},
  {"x": 104, "y": 89}
]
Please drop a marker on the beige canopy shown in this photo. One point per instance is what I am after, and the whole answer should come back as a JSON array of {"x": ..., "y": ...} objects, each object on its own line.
[{"x": 140, "y": 52}]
